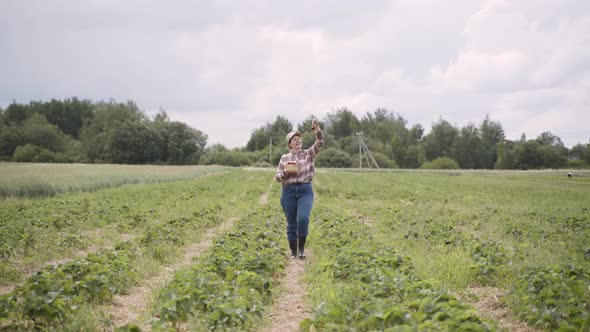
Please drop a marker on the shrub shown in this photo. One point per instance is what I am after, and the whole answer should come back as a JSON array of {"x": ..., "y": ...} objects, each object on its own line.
[
  {"x": 334, "y": 157},
  {"x": 26, "y": 153},
  {"x": 383, "y": 161},
  {"x": 33, "y": 153},
  {"x": 441, "y": 163},
  {"x": 577, "y": 164},
  {"x": 46, "y": 156}
]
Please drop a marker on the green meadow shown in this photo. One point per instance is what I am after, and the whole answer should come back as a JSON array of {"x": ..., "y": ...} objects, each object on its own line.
[
  {"x": 396, "y": 250},
  {"x": 23, "y": 180}
]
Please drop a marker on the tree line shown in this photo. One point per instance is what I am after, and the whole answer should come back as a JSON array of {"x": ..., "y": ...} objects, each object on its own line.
[
  {"x": 394, "y": 144},
  {"x": 83, "y": 131}
]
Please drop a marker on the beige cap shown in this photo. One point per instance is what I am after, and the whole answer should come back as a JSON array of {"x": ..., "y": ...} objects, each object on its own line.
[{"x": 290, "y": 135}]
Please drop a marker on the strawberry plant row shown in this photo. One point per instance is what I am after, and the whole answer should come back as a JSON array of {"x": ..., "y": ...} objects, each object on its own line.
[
  {"x": 54, "y": 294},
  {"x": 520, "y": 234},
  {"x": 34, "y": 231},
  {"x": 228, "y": 288},
  {"x": 490, "y": 258},
  {"x": 375, "y": 288},
  {"x": 553, "y": 298}
]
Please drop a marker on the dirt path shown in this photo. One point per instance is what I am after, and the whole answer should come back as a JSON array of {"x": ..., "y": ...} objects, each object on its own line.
[
  {"x": 264, "y": 198},
  {"x": 490, "y": 306},
  {"x": 132, "y": 307},
  {"x": 289, "y": 308}
]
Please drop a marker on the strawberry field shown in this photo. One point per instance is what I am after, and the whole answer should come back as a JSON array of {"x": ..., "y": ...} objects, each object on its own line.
[{"x": 389, "y": 250}]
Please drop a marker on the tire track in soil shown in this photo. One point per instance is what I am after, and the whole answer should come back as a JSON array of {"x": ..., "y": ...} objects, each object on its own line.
[
  {"x": 289, "y": 309},
  {"x": 133, "y": 306}
]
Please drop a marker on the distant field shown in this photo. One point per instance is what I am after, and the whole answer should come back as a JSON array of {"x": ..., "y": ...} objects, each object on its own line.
[
  {"x": 35, "y": 180},
  {"x": 401, "y": 249}
]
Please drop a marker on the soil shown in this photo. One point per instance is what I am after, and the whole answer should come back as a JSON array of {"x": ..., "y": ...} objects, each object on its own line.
[
  {"x": 132, "y": 307},
  {"x": 289, "y": 309},
  {"x": 490, "y": 306}
]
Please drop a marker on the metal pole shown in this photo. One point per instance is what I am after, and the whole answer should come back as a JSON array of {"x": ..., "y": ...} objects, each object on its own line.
[
  {"x": 360, "y": 151},
  {"x": 367, "y": 154},
  {"x": 370, "y": 155}
]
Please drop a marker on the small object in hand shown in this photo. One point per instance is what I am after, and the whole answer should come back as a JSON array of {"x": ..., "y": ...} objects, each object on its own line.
[
  {"x": 314, "y": 124},
  {"x": 291, "y": 167}
]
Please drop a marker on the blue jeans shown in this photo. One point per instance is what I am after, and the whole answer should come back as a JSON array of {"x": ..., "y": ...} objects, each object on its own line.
[{"x": 297, "y": 200}]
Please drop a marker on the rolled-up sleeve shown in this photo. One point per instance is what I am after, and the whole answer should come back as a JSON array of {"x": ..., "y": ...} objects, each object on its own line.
[
  {"x": 317, "y": 145},
  {"x": 280, "y": 174}
]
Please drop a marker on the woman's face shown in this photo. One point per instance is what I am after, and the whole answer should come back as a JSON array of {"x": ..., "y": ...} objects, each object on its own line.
[{"x": 295, "y": 142}]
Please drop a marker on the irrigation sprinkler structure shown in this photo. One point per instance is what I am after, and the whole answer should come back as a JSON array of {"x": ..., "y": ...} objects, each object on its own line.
[{"x": 363, "y": 149}]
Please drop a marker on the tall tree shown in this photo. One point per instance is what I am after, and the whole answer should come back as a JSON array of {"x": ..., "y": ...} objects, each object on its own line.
[
  {"x": 577, "y": 151},
  {"x": 507, "y": 158},
  {"x": 15, "y": 114},
  {"x": 10, "y": 138},
  {"x": 260, "y": 137},
  {"x": 69, "y": 115},
  {"x": 180, "y": 144},
  {"x": 466, "y": 147},
  {"x": 492, "y": 133},
  {"x": 134, "y": 143},
  {"x": 342, "y": 123},
  {"x": 412, "y": 155},
  {"x": 384, "y": 125},
  {"x": 440, "y": 141},
  {"x": 98, "y": 132},
  {"x": 528, "y": 155},
  {"x": 553, "y": 152}
]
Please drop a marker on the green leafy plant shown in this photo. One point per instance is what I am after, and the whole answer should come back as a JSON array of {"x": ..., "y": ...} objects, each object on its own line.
[
  {"x": 554, "y": 298},
  {"x": 229, "y": 288},
  {"x": 371, "y": 287}
]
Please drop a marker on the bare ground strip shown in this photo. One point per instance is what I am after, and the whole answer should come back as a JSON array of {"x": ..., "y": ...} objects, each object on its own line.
[
  {"x": 289, "y": 309},
  {"x": 132, "y": 307},
  {"x": 489, "y": 305}
]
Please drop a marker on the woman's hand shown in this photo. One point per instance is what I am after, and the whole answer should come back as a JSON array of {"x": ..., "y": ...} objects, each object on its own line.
[
  {"x": 290, "y": 169},
  {"x": 315, "y": 125}
]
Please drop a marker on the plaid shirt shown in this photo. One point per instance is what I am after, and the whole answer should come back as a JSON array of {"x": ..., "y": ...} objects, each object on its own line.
[{"x": 305, "y": 162}]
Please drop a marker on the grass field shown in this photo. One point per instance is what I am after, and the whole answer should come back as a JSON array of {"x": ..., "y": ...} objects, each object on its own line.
[
  {"x": 41, "y": 180},
  {"x": 407, "y": 250}
]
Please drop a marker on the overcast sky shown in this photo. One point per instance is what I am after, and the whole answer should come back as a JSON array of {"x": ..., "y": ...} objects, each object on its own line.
[{"x": 228, "y": 67}]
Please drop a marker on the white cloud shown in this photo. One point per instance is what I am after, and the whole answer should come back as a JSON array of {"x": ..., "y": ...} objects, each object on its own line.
[
  {"x": 474, "y": 70},
  {"x": 228, "y": 67}
]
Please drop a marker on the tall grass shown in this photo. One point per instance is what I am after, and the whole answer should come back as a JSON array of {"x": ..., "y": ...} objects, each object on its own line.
[{"x": 28, "y": 180}]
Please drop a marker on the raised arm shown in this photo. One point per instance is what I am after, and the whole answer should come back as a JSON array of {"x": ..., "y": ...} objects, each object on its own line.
[{"x": 319, "y": 138}]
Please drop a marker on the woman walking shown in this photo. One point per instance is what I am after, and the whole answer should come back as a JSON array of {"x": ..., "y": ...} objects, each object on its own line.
[{"x": 296, "y": 170}]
